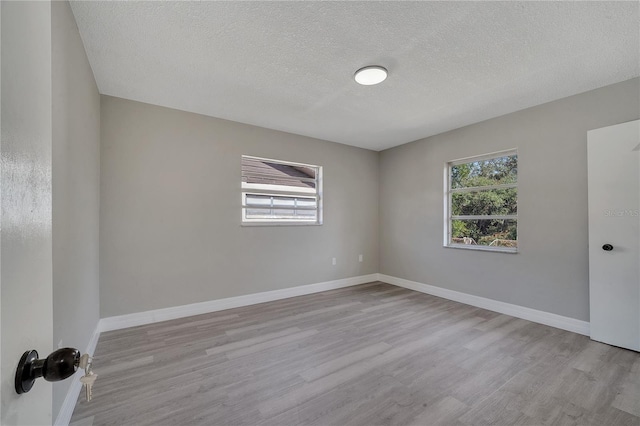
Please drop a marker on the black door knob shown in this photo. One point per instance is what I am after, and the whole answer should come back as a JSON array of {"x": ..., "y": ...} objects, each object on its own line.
[
  {"x": 61, "y": 364},
  {"x": 607, "y": 247}
]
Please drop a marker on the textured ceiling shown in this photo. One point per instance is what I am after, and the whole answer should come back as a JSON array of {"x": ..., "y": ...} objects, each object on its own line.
[{"x": 289, "y": 65}]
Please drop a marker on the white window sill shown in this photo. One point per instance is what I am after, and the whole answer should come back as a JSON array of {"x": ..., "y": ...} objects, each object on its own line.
[
  {"x": 250, "y": 224},
  {"x": 509, "y": 250}
]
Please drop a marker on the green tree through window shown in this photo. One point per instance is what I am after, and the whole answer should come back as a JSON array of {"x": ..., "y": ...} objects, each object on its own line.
[{"x": 483, "y": 201}]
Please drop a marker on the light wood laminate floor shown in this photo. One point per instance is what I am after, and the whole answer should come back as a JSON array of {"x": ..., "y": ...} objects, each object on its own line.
[{"x": 372, "y": 354}]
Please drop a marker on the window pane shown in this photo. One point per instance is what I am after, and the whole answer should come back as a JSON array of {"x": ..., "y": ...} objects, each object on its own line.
[
  {"x": 263, "y": 172},
  {"x": 254, "y": 213},
  {"x": 306, "y": 213},
  {"x": 279, "y": 201},
  {"x": 259, "y": 213},
  {"x": 285, "y": 214},
  {"x": 306, "y": 202},
  {"x": 494, "y": 233},
  {"x": 284, "y": 201},
  {"x": 485, "y": 172},
  {"x": 487, "y": 202},
  {"x": 258, "y": 200}
]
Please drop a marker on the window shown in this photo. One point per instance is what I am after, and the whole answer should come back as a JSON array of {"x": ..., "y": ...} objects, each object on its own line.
[
  {"x": 481, "y": 202},
  {"x": 280, "y": 192}
]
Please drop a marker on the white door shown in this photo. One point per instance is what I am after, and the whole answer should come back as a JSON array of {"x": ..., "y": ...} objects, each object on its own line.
[
  {"x": 614, "y": 234},
  {"x": 25, "y": 201}
]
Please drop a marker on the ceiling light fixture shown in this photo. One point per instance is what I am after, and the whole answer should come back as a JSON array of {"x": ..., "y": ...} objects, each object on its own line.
[{"x": 369, "y": 75}]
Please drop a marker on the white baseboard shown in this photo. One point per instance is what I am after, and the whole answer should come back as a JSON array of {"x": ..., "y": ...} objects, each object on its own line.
[
  {"x": 165, "y": 314},
  {"x": 69, "y": 404},
  {"x": 542, "y": 317}
]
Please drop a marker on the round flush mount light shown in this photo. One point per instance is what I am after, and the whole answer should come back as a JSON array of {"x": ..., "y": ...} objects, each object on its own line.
[{"x": 372, "y": 74}]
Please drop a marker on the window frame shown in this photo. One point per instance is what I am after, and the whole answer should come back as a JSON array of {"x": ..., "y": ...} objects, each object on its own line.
[
  {"x": 448, "y": 196},
  {"x": 274, "y": 191}
]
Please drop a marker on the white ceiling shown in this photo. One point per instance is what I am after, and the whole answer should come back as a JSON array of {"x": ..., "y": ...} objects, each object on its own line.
[{"x": 289, "y": 65}]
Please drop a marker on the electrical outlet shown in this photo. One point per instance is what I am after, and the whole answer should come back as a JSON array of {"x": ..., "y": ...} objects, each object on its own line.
[
  {"x": 333, "y": 261},
  {"x": 360, "y": 258}
]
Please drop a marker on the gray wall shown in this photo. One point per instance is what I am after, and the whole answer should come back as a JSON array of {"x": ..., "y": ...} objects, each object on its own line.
[
  {"x": 76, "y": 186},
  {"x": 550, "y": 273},
  {"x": 25, "y": 187},
  {"x": 170, "y": 219}
]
